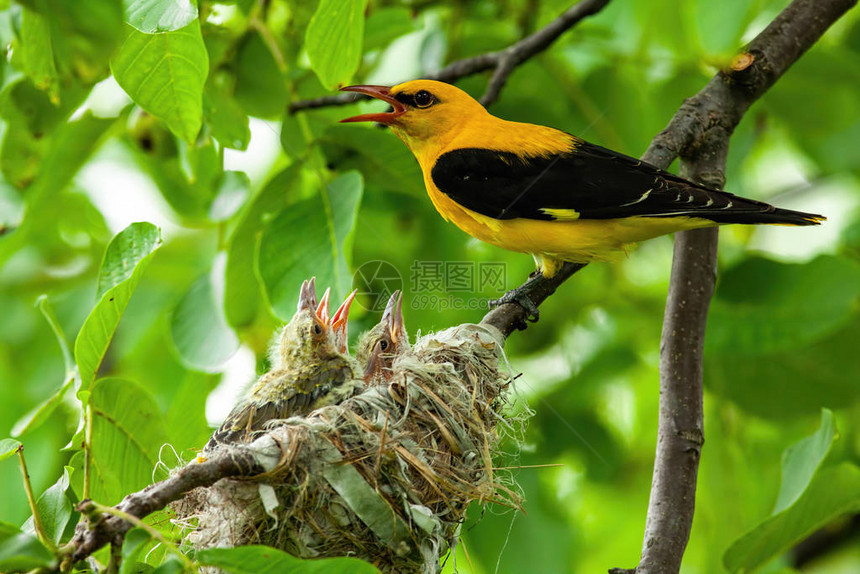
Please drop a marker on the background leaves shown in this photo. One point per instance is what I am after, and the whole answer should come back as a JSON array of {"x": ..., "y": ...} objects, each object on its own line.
[{"x": 176, "y": 113}]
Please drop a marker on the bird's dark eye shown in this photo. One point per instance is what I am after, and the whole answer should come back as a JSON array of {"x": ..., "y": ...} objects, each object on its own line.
[
  {"x": 317, "y": 329},
  {"x": 424, "y": 99},
  {"x": 383, "y": 344}
]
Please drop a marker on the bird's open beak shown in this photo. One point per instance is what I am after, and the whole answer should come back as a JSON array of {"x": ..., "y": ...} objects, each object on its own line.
[
  {"x": 308, "y": 295},
  {"x": 393, "y": 316},
  {"x": 322, "y": 308},
  {"x": 380, "y": 93},
  {"x": 340, "y": 317}
]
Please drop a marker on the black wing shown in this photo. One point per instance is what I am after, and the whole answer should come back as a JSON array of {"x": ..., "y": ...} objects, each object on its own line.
[{"x": 595, "y": 182}]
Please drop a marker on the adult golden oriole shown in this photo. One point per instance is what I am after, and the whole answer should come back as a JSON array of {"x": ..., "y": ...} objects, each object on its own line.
[
  {"x": 539, "y": 190},
  {"x": 310, "y": 369},
  {"x": 379, "y": 347}
]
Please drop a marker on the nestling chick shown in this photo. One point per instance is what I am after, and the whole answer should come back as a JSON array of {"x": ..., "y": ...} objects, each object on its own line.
[
  {"x": 387, "y": 340},
  {"x": 308, "y": 372}
]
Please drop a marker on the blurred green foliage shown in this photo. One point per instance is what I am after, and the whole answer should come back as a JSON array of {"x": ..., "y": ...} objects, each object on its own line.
[{"x": 114, "y": 112}]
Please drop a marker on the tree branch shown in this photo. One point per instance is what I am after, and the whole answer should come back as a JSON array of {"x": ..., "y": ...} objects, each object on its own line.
[
  {"x": 503, "y": 62},
  {"x": 700, "y": 133},
  {"x": 90, "y": 537}
]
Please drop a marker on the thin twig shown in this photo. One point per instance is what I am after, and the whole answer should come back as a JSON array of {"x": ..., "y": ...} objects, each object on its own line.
[
  {"x": 503, "y": 62},
  {"x": 37, "y": 520}
]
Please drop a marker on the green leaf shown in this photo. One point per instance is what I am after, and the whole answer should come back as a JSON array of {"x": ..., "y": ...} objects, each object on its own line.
[
  {"x": 801, "y": 460},
  {"x": 762, "y": 306},
  {"x": 229, "y": 122},
  {"x": 266, "y": 560},
  {"x": 791, "y": 383},
  {"x": 127, "y": 433},
  {"x": 385, "y": 24},
  {"x": 37, "y": 54},
  {"x": 186, "y": 417},
  {"x": 170, "y": 566},
  {"x": 333, "y": 40},
  {"x": 165, "y": 74},
  {"x": 24, "y": 552},
  {"x": 198, "y": 328},
  {"x": 126, "y": 256},
  {"x": 833, "y": 491},
  {"x": 383, "y": 160},
  {"x": 328, "y": 220},
  {"x": 132, "y": 545},
  {"x": 151, "y": 16},
  {"x": 84, "y": 35},
  {"x": 70, "y": 147},
  {"x": 8, "y": 447},
  {"x": 261, "y": 88},
  {"x": 40, "y": 413},
  {"x": 242, "y": 288},
  {"x": 54, "y": 509},
  {"x": 233, "y": 189}
]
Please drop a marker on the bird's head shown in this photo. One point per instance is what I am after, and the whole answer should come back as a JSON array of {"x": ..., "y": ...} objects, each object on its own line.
[
  {"x": 387, "y": 340},
  {"x": 423, "y": 111},
  {"x": 308, "y": 334}
]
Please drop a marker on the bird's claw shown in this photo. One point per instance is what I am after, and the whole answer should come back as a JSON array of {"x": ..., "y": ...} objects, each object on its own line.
[{"x": 519, "y": 297}]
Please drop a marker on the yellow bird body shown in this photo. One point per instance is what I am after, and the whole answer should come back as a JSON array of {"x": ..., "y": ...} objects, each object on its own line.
[{"x": 539, "y": 190}]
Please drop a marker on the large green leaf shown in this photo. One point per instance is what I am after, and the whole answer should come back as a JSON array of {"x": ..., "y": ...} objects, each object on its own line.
[
  {"x": 323, "y": 226},
  {"x": 133, "y": 544},
  {"x": 834, "y": 491},
  {"x": 198, "y": 328},
  {"x": 801, "y": 460},
  {"x": 37, "y": 53},
  {"x": 165, "y": 74},
  {"x": 762, "y": 306},
  {"x": 23, "y": 551},
  {"x": 68, "y": 150},
  {"x": 333, "y": 40},
  {"x": 151, "y": 16},
  {"x": 40, "y": 413},
  {"x": 242, "y": 288},
  {"x": 266, "y": 560},
  {"x": 126, "y": 257},
  {"x": 261, "y": 86},
  {"x": 225, "y": 116},
  {"x": 793, "y": 382},
  {"x": 383, "y": 160},
  {"x": 127, "y": 433}
]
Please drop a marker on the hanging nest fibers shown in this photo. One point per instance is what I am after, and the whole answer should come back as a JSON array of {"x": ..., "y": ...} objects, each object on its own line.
[{"x": 386, "y": 475}]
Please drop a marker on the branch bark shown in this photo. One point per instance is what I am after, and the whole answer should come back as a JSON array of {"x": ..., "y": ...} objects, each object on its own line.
[
  {"x": 700, "y": 133},
  {"x": 502, "y": 62}
]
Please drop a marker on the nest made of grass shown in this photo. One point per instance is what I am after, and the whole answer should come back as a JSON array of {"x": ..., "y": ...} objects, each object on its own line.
[{"x": 386, "y": 475}]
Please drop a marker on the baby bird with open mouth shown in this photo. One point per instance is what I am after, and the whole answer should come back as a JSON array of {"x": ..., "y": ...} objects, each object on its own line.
[{"x": 310, "y": 369}]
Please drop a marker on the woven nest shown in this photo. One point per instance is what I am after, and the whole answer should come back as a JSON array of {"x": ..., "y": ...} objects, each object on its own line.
[{"x": 386, "y": 475}]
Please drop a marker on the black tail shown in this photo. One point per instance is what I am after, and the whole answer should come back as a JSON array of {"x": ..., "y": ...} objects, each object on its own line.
[{"x": 750, "y": 211}]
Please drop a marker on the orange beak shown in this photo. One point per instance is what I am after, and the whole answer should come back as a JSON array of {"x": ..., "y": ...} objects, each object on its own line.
[
  {"x": 380, "y": 93},
  {"x": 340, "y": 318},
  {"x": 322, "y": 309}
]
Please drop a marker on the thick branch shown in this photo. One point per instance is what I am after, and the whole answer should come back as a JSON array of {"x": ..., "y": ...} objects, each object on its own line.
[
  {"x": 503, "y": 62},
  {"x": 155, "y": 497},
  {"x": 700, "y": 133}
]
